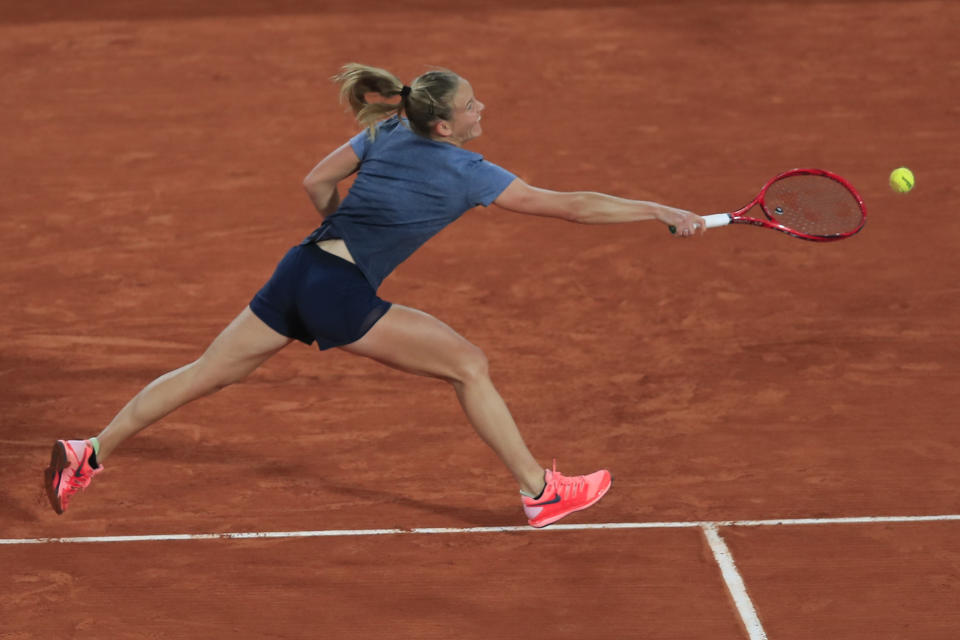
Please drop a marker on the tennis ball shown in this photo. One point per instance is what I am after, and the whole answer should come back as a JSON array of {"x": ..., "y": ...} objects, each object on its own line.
[{"x": 901, "y": 180}]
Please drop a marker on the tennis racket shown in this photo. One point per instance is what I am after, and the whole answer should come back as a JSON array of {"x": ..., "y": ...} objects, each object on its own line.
[{"x": 810, "y": 204}]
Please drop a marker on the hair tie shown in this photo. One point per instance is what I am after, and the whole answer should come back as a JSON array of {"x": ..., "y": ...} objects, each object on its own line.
[{"x": 405, "y": 91}]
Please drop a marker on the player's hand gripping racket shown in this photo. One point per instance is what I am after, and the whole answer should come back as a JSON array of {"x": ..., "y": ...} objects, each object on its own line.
[{"x": 811, "y": 204}]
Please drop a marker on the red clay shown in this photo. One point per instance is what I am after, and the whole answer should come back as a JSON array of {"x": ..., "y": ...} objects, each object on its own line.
[
  {"x": 853, "y": 581},
  {"x": 151, "y": 179}
]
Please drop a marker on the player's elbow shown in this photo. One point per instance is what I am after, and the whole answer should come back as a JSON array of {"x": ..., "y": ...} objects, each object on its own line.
[
  {"x": 318, "y": 190},
  {"x": 575, "y": 210},
  {"x": 569, "y": 206}
]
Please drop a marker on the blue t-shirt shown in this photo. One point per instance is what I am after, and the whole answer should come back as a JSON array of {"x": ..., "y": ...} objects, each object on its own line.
[{"x": 407, "y": 189}]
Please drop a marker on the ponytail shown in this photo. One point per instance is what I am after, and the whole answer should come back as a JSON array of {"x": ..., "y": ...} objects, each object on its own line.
[{"x": 428, "y": 99}]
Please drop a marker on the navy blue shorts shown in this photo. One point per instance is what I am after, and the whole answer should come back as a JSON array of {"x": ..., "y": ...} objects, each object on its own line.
[{"x": 317, "y": 296}]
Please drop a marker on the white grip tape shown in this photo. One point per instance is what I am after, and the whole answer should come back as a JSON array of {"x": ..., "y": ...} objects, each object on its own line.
[{"x": 717, "y": 220}]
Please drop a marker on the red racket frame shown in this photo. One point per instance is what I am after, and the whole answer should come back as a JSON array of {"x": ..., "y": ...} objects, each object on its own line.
[{"x": 738, "y": 217}]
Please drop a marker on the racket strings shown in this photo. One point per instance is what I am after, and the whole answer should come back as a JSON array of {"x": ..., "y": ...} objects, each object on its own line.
[{"x": 815, "y": 205}]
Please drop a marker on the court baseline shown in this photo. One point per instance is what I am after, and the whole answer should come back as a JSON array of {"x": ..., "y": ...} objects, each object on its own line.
[
  {"x": 506, "y": 529},
  {"x": 721, "y": 553}
]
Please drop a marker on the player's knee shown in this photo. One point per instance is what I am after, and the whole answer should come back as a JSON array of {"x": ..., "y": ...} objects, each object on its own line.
[
  {"x": 472, "y": 364},
  {"x": 231, "y": 377},
  {"x": 212, "y": 376}
]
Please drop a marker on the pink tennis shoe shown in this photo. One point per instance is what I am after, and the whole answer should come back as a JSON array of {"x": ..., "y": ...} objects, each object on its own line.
[
  {"x": 70, "y": 471},
  {"x": 563, "y": 495}
]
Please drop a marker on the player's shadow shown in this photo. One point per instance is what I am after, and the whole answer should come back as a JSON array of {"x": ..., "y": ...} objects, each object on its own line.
[
  {"x": 468, "y": 516},
  {"x": 461, "y": 513}
]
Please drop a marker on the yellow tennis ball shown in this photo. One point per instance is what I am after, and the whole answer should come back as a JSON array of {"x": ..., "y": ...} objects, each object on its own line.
[{"x": 901, "y": 180}]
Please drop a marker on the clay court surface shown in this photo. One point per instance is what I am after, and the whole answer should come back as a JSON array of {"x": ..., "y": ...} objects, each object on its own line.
[{"x": 151, "y": 166}]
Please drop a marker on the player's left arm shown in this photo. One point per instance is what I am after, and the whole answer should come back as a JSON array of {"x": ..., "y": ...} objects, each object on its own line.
[
  {"x": 321, "y": 182},
  {"x": 588, "y": 207}
]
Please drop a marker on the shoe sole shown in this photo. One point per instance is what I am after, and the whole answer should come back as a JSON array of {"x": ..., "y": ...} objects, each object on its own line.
[
  {"x": 586, "y": 506},
  {"x": 58, "y": 462}
]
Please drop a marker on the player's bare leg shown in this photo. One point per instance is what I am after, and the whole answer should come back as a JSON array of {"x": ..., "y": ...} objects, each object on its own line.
[
  {"x": 241, "y": 347},
  {"x": 416, "y": 342}
]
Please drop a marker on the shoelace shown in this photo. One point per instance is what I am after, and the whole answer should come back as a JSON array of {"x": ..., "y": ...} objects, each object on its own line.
[
  {"x": 76, "y": 483},
  {"x": 565, "y": 485}
]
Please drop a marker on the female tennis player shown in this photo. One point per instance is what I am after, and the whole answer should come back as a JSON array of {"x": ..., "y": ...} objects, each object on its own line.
[{"x": 414, "y": 177}]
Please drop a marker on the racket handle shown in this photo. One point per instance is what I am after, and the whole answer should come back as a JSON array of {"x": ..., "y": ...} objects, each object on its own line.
[
  {"x": 713, "y": 220},
  {"x": 717, "y": 220}
]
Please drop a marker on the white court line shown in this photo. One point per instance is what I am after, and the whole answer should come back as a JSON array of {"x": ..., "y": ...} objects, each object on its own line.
[
  {"x": 721, "y": 553},
  {"x": 738, "y": 590},
  {"x": 855, "y": 520},
  {"x": 331, "y": 533}
]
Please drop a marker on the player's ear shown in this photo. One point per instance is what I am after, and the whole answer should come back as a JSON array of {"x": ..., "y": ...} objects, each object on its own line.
[{"x": 443, "y": 129}]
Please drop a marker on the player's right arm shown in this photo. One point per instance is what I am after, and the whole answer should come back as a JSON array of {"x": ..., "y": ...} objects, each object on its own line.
[
  {"x": 588, "y": 207},
  {"x": 321, "y": 182}
]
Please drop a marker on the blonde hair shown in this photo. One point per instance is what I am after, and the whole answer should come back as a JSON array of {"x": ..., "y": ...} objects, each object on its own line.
[{"x": 430, "y": 97}]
